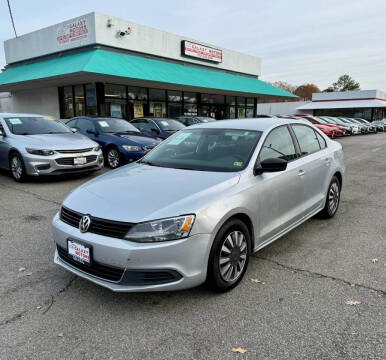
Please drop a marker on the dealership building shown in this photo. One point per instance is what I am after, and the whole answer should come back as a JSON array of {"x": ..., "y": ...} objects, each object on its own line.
[
  {"x": 99, "y": 65},
  {"x": 366, "y": 104}
]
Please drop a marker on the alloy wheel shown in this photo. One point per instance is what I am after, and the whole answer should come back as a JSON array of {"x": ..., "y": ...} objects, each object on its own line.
[
  {"x": 113, "y": 158},
  {"x": 233, "y": 256},
  {"x": 16, "y": 167},
  {"x": 333, "y": 198}
]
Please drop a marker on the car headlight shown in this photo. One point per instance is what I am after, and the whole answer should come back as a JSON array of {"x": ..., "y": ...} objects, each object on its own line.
[
  {"x": 42, "y": 152},
  {"x": 161, "y": 230},
  {"x": 132, "y": 148},
  {"x": 97, "y": 148}
]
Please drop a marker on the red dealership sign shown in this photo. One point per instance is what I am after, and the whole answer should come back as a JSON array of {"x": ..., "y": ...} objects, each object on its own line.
[
  {"x": 203, "y": 52},
  {"x": 73, "y": 31}
]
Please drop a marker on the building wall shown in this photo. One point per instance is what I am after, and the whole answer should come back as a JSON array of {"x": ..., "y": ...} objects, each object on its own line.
[
  {"x": 350, "y": 95},
  {"x": 95, "y": 28},
  {"x": 281, "y": 108},
  {"x": 38, "y": 101}
]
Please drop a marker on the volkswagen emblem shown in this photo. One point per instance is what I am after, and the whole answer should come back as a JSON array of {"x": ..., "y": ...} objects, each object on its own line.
[{"x": 84, "y": 223}]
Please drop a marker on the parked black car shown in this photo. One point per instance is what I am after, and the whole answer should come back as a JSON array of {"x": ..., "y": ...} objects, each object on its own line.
[
  {"x": 157, "y": 127},
  {"x": 191, "y": 120}
]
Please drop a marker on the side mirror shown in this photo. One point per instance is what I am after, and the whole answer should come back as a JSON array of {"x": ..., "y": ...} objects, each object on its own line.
[
  {"x": 91, "y": 131},
  {"x": 74, "y": 130},
  {"x": 270, "y": 165},
  {"x": 155, "y": 130}
]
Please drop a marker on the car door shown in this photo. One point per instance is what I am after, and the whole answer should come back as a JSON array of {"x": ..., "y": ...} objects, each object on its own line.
[
  {"x": 280, "y": 193},
  {"x": 4, "y": 148},
  {"x": 315, "y": 161}
]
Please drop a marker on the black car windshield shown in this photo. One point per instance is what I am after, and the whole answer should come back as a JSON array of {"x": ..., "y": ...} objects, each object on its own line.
[
  {"x": 35, "y": 125},
  {"x": 221, "y": 150},
  {"x": 169, "y": 124},
  {"x": 111, "y": 125}
]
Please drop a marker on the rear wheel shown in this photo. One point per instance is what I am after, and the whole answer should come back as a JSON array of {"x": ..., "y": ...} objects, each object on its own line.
[
  {"x": 332, "y": 199},
  {"x": 113, "y": 158},
  {"x": 229, "y": 256},
  {"x": 16, "y": 165}
]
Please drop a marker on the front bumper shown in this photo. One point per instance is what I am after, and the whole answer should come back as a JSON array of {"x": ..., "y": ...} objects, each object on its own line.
[
  {"x": 59, "y": 164},
  {"x": 186, "y": 259}
]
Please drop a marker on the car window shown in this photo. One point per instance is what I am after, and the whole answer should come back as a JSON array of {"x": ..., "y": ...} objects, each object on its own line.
[
  {"x": 143, "y": 124},
  {"x": 28, "y": 125},
  {"x": 278, "y": 144},
  {"x": 170, "y": 124},
  {"x": 114, "y": 125},
  {"x": 85, "y": 124},
  {"x": 72, "y": 123},
  {"x": 205, "y": 150},
  {"x": 307, "y": 139},
  {"x": 322, "y": 141}
]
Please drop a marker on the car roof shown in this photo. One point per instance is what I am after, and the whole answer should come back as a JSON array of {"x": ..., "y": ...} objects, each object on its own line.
[{"x": 259, "y": 124}]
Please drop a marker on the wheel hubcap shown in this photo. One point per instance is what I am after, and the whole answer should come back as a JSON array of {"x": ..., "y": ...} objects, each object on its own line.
[
  {"x": 333, "y": 197},
  {"x": 16, "y": 167},
  {"x": 113, "y": 158},
  {"x": 233, "y": 256}
]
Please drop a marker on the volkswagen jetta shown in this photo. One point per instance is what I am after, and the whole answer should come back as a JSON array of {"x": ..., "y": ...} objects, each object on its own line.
[{"x": 193, "y": 209}]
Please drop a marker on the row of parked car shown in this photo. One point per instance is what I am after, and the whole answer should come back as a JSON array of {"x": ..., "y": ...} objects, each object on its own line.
[
  {"x": 32, "y": 145},
  {"x": 342, "y": 126}
]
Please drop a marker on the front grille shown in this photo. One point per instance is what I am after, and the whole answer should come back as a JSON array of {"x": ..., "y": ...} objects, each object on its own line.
[
  {"x": 115, "y": 229},
  {"x": 103, "y": 271},
  {"x": 78, "y": 151},
  {"x": 70, "y": 160}
]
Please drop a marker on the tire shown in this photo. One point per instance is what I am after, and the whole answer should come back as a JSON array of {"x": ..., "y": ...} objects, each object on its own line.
[
  {"x": 219, "y": 278},
  {"x": 332, "y": 199},
  {"x": 16, "y": 165},
  {"x": 113, "y": 157}
]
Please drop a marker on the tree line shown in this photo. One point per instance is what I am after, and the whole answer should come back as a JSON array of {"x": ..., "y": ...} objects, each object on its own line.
[{"x": 305, "y": 91}]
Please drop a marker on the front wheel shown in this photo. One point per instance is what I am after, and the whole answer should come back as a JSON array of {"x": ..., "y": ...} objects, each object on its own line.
[
  {"x": 229, "y": 256},
  {"x": 332, "y": 199},
  {"x": 16, "y": 165},
  {"x": 113, "y": 158}
]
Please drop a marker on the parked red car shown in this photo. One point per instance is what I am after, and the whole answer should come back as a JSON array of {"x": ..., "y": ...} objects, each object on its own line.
[{"x": 331, "y": 130}]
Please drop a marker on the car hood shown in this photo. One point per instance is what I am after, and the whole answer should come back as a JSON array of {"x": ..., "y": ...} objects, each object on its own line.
[
  {"x": 136, "y": 139},
  {"x": 68, "y": 141},
  {"x": 139, "y": 192}
]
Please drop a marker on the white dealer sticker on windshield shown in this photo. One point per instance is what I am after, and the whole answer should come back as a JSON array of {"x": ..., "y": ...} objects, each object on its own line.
[
  {"x": 103, "y": 123},
  {"x": 15, "y": 121},
  {"x": 179, "y": 138}
]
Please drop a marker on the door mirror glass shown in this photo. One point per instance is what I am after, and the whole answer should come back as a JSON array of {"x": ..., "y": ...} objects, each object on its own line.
[
  {"x": 270, "y": 165},
  {"x": 155, "y": 130},
  {"x": 91, "y": 131}
]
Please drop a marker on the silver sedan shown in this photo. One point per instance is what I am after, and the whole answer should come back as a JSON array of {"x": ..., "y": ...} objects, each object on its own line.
[
  {"x": 33, "y": 145},
  {"x": 194, "y": 208}
]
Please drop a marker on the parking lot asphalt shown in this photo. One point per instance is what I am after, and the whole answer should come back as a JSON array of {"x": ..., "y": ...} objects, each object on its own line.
[{"x": 298, "y": 311}]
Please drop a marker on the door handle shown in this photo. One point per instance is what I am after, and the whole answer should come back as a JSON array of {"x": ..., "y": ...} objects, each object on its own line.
[
  {"x": 301, "y": 173},
  {"x": 327, "y": 161}
]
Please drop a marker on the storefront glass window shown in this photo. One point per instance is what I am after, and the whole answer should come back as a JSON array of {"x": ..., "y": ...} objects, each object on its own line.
[
  {"x": 157, "y": 94},
  {"x": 157, "y": 109},
  {"x": 174, "y": 110},
  {"x": 190, "y": 97},
  {"x": 190, "y": 109},
  {"x": 91, "y": 100},
  {"x": 212, "y": 99},
  {"x": 137, "y": 93},
  {"x": 68, "y": 102},
  {"x": 80, "y": 108},
  {"x": 231, "y": 100},
  {"x": 249, "y": 112},
  {"x": 174, "y": 96},
  {"x": 240, "y": 111},
  {"x": 232, "y": 112}
]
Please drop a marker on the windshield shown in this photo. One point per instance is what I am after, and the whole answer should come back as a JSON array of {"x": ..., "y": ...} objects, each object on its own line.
[
  {"x": 23, "y": 125},
  {"x": 206, "y": 150},
  {"x": 206, "y": 119},
  {"x": 169, "y": 124},
  {"x": 111, "y": 125}
]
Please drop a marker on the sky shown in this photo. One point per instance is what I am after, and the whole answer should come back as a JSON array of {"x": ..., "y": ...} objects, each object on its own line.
[{"x": 299, "y": 41}]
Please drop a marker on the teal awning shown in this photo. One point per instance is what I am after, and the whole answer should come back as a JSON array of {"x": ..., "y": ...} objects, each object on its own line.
[{"x": 112, "y": 63}]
